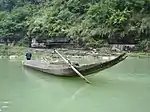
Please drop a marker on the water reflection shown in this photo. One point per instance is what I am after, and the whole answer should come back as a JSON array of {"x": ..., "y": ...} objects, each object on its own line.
[{"x": 122, "y": 88}]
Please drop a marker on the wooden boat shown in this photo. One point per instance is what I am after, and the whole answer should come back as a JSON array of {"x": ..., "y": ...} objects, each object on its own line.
[{"x": 62, "y": 69}]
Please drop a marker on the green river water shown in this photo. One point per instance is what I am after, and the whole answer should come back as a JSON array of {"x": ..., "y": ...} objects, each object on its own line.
[{"x": 122, "y": 88}]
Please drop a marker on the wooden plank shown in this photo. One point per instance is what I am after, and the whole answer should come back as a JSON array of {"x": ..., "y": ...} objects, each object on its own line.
[{"x": 73, "y": 68}]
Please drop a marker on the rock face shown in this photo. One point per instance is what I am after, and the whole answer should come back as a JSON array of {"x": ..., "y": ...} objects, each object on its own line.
[
  {"x": 13, "y": 57},
  {"x": 101, "y": 51},
  {"x": 49, "y": 54},
  {"x": 123, "y": 47}
]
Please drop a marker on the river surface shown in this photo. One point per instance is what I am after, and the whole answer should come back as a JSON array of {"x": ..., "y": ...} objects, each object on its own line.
[{"x": 122, "y": 88}]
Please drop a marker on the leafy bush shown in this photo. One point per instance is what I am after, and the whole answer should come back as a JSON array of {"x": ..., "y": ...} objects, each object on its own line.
[
  {"x": 144, "y": 45},
  {"x": 92, "y": 20}
]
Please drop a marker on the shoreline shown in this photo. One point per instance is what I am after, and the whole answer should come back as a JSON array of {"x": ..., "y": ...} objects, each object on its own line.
[{"x": 17, "y": 51}]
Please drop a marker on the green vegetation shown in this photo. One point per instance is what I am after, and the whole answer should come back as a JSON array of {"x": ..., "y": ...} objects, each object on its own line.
[{"x": 96, "y": 22}]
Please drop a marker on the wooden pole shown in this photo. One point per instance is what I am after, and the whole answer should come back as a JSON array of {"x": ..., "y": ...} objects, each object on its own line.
[{"x": 73, "y": 68}]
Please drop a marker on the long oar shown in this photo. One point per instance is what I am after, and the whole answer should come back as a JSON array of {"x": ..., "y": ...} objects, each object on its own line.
[{"x": 74, "y": 69}]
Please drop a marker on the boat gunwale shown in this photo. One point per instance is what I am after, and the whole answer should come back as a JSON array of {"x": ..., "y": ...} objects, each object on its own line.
[{"x": 87, "y": 68}]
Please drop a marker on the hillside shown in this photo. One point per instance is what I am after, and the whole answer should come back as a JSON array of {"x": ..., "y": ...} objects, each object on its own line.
[{"x": 96, "y": 22}]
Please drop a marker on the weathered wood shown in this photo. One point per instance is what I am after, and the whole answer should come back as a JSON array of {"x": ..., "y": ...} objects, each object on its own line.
[
  {"x": 73, "y": 68},
  {"x": 63, "y": 69}
]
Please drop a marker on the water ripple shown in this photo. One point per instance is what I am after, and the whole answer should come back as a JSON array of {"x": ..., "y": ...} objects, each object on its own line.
[{"x": 4, "y": 105}]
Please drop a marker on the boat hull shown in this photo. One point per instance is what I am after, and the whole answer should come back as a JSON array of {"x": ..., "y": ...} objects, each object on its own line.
[{"x": 62, "y": 69}]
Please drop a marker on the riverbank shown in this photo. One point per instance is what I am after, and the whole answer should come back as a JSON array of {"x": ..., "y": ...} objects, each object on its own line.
[
  {"x": 139, "y": 54},
  {"x": 19, "y": 52}
]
